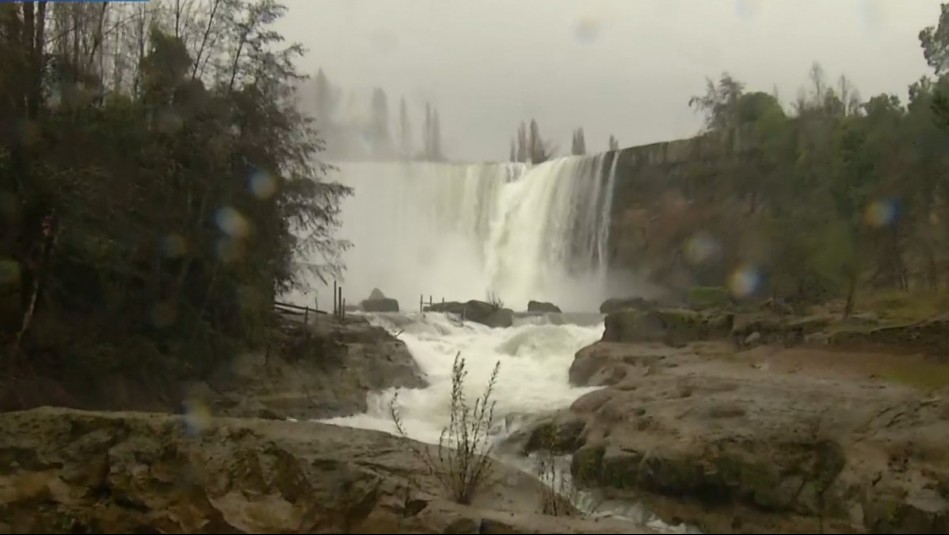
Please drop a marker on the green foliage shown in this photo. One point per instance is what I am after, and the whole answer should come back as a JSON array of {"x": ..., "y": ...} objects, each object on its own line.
[
  {"x": 832, "y": 193},
  {"x": 183, "y": 184},
  {"x": 708, "y": 297}
]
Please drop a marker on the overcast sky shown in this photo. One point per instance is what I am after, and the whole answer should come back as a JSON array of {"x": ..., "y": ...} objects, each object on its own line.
[{"x": 626, "y": 67}]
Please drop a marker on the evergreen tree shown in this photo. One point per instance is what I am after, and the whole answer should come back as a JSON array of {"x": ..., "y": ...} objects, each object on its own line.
[
  {"x": 404, "y": 129},
  {"x": 379, "y": 123},
  {"x": 578, "y": 147},
  {"x": 614, "y": 143},
  {"x": 436, "y": 137}
]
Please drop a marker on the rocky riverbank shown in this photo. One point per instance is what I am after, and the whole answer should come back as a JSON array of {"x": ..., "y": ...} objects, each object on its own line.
[
  {"x": 318, "y": 369},
  {"x": 763, "y": 421},
  {"x": 67, "y": 471}
]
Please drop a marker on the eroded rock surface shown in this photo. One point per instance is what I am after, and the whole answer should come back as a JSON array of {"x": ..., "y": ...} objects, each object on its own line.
[
  {"x": 735, "y": 437},
  {"x": 319, "y": 371},
  {"x": 66, "y": 471}
]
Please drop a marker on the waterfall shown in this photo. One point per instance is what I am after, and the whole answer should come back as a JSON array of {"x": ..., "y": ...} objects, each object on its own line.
[{"x": 462, "y": 231}]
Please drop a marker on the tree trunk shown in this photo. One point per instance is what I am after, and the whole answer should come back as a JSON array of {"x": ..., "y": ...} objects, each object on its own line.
[
  {"x": 37, "y": 62},
  {"x": 851, "y": 294}
]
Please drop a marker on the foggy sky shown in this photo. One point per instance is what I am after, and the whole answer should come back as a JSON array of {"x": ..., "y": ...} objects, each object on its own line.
[{"x": 626, "y": 67}]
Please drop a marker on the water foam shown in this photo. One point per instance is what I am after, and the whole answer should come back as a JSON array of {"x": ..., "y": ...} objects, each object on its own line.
[{"x": 535, "y": 359}]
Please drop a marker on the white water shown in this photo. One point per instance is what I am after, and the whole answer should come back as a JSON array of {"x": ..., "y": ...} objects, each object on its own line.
[
  {"x": 535, "y": 358},
  {"x": 462, "y": 231}
]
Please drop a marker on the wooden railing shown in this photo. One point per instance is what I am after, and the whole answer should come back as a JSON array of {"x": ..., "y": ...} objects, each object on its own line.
[
  {"x": 339, "y": 306},
  {"x": 422, "y": 303}
]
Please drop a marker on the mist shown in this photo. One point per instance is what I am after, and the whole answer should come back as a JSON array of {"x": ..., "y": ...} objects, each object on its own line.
[{"x": 626, "y": 68}]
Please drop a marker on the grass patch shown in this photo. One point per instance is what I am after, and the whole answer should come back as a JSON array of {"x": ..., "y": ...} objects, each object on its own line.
[
  {"x": 705, "y": 297},
  {"x": 904, "y": 306},
  {"x": 924, "y": 376}
]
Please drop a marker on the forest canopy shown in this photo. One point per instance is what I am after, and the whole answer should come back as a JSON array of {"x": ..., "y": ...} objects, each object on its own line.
[
  {"x": 158, "y": 187},
  {"x": 811, "y": 200}
]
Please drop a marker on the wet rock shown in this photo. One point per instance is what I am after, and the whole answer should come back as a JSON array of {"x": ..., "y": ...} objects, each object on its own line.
[
  {"x": 670, "y": 326},
  {"x": 610, "y": 363},
  {"x": 700, "y": 436},
  {"x": 617, "y": 304},
  {"x": 541, "y": 306},
  {"x": 477, "y": 311},
  {"x": 931, "y": 335},
  {"x": 378, "y": 302},
  {"x": 558, "y": 435},
  {"x": 386, "y": 304},
  {"x": 752, "y": 339},
  {"x": 91, "y": 472},
  {"x": 323, "y": 370}
]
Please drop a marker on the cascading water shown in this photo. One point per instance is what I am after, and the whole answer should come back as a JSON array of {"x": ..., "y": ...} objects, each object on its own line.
[
  {"x": 462, "y": 231},
  {"x": 534, "y": 356}
]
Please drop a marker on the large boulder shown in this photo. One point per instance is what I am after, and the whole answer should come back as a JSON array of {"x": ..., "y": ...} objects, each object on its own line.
[
  {"x": 610, "y": 363},
  {"x": 378, "y": 302},
  {"x": 386, "y": 304},
  {"x": 69, "y": 471},
  {"x": 542, "y": 306},
  {"x": 477, "y": 311}
]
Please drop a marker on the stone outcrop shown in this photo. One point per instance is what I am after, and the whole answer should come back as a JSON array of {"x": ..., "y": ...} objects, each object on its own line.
[
  {"x": 672, "y": 326},
  {"x": 749, "y": 328},
  {"x": 929, "y": 335},
  {"x": 615, "y": 304},
  {"x": 68, "y": 471},
  {"x": 542, "y": 306},
  {"x": 732, "y": 438},
  {"x": 477, "y": 311},
  {"x": 378, "y": 302},
  {"x": 319, "y": 371},
  {"x": 322, "y": 369}
]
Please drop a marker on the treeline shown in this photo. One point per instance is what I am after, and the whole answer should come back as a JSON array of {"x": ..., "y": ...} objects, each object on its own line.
[
  {"x": 158, "y": 187},
  {"x": 354, "y": 131},
  {"x": 528, "y": 146},
  {"x": 819, "y": 199}
]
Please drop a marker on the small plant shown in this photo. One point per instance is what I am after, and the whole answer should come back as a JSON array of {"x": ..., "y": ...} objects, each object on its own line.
[
  {"x": 495, "y": 301},
  {"x": 462, "y": 464},
  {"x": 558, "y": 495}
]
